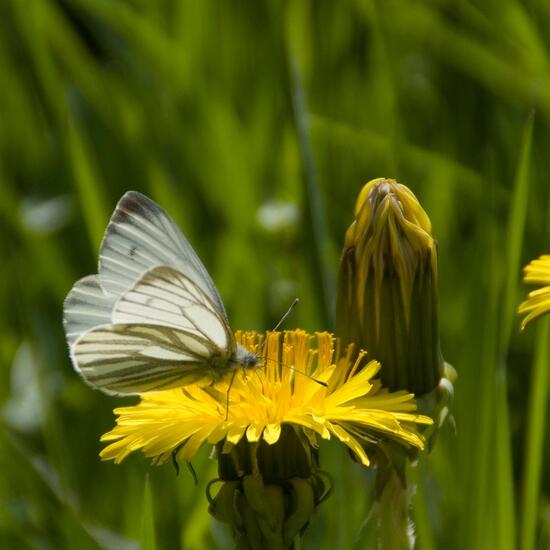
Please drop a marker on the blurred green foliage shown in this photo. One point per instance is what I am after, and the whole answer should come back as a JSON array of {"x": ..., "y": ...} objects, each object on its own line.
[{"x": 255, "y": 124}]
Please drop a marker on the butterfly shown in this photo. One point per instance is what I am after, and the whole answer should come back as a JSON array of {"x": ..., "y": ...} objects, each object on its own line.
[{"x": 152, "y": 318}]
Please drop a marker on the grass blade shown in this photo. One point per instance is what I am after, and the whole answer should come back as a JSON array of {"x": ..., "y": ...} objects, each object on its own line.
[
  {"x": 148, "y": 538},
  {"x": 516, "y": 226},
  {"x": 505, "y": 520},
  {"x": 315, "y": 206}
]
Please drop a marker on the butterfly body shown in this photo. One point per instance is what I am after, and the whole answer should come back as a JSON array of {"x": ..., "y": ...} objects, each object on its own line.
[
  {"x": 244, "y": 358},
  {"x": 152, "y": 318}
]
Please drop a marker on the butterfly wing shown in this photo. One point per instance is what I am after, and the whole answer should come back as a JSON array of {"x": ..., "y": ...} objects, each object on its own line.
[
  {"x": 85, "y": 307},
  {"x": 130, "y": 359},
  {"x": 165, "y": 332},
  {"x": 166, "y": 297},
  {"x": 140, "y": 236}
]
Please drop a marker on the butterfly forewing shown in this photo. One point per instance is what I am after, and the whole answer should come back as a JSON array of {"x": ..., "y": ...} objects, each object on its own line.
[
  {"x": 140, "y": 236},
  {"x": 166, "y": 297}
]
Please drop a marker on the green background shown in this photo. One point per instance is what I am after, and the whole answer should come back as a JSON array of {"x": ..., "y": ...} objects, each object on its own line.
[{"x": 255, "y": 125}]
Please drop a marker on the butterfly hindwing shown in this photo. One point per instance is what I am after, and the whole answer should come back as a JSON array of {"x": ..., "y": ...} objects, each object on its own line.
[
  {"x": 86, "y": 306},
  {"x": 138, "y": 358}
]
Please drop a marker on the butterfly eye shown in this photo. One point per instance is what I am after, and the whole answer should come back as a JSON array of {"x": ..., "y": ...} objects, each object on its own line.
[{"x": 250, "y": 360}]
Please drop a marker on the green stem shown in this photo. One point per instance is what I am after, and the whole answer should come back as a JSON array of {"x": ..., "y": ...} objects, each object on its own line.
[
  {"x": 393, "y": 516},
  {"x": 424, "y": 535},
  {"x": 536, "y": 423}
]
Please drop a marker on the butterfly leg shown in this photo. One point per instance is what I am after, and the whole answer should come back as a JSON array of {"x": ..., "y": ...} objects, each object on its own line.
[
  {"x": 227, "y": 395},
  {"x": 259, "y": 380}
]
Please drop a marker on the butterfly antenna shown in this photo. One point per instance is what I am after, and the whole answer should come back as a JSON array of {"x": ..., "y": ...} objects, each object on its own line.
[
  {"x": 276, "y": 327},
  {"x": 316, "y": 380},
  {"x": 288, "y": 312},
  {"x": 281, "y": 321}
]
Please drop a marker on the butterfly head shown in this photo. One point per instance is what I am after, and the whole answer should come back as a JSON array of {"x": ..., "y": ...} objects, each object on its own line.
[{"x": 246, "y": 359}]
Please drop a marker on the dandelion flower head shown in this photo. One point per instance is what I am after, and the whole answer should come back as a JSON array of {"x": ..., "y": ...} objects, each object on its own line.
[{"x": 304, "y": 382}]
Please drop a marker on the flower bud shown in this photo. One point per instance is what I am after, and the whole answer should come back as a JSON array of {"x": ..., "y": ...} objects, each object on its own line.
[
  {"x": 268, "y": 492},
  {"x": 387, "y": 291}
]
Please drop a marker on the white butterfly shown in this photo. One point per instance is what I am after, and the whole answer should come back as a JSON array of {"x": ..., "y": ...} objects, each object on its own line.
[{"x": 152, "y": 318}]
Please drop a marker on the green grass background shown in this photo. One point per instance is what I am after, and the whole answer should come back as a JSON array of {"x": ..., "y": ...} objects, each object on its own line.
[{"x": 255, "y": 124}]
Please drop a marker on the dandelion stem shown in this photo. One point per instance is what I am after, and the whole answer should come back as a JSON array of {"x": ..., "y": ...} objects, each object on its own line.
[
  {"x": 395, "y": 530},
  {"x": 536, "y": 424}
]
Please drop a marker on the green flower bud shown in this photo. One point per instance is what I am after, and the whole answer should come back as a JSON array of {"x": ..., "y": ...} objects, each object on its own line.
[
  {"x": 268, "y": 492},
  {"x": 387, "y": 292}
]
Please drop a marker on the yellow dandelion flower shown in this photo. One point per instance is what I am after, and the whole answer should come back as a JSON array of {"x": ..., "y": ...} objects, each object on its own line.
[
  {"x": 304, "y": 384},
  {"x": 537, "y": 272}
]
